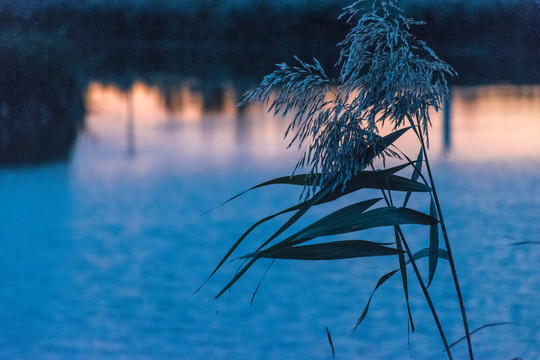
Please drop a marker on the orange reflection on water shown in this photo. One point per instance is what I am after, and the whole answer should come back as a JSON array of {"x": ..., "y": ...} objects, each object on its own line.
[
  {"x": 147, "y": 102},
  {"x": 183, "y": 121},
  {"x": 181, "y": 101},
  {"x": 495, "y": 122},
  {"x": 486, "y": 123},
  {"x": 151, "y": 102}
]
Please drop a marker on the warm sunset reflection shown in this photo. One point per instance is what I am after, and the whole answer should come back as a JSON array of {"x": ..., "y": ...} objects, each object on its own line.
[
  {"x": 183, "y": 122},
  {"x": 182, "y": 101},
  {"x": 486, "y": 123},
  {"x": 496, "y": 122}
]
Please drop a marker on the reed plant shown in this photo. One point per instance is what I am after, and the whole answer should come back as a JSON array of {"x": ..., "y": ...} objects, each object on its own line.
[{"x": 387, "y": 77}]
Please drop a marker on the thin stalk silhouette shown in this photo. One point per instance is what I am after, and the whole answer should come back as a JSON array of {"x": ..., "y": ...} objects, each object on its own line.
[
  {"x": 426, "y": 293},
  {"x": 400, "y": 238},
  {"x": 445, "y": 237},
  {"x": 386, "y": 76}
]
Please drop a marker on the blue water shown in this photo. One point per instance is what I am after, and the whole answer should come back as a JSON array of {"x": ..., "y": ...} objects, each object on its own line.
[{"x": 100, "y": 255}]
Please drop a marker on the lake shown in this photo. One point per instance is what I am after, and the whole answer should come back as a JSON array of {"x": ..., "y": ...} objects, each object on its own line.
[{"x": 101, "y": 253}]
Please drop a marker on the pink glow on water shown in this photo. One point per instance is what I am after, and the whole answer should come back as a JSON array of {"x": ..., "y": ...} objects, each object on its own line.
[{"x": 487, "y": 123}]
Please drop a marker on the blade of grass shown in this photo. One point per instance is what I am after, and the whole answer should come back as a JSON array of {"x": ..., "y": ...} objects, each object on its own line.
[
  {"x": 344, "y": 221},
  {"x": 300, "y": 179},
  {"x": 363, "y": 179},
  {"x": 317, "y": 197},
  {"x": 325, "y": 195},
  {"x": 441, "y": 253},
  {"x": 336, "y": 250},
  {"x": 260, "y": 282},
  {"x": 357, "y": 209},
  {"x": 426, "y": 294},
  {"x": 403, "y": 270},
  {"x": 330, "y": 342},
  {"x": 387, "y": 141},
  {"x": 391, "y": 138},
  {"x": 433, "y": 243},
  {"x": 530, "y": 242},
  {"x": 307, "y": 205},
  {"x": 418, "y": 255},
  {"x": 399, "y": 183},
  {"x": 245, "y": 234},
  {"x": 416, "y": 174},
  {"x": 351, "y": 219},
  {"x": 237, "y": 276},
  {"x": 382, "y": 179},
  {"x": 446, "y": 239},
  {"x": 478, "y": 329},
  {"x": 381, "y": 281},
  {"x": 358, "y": 182}
]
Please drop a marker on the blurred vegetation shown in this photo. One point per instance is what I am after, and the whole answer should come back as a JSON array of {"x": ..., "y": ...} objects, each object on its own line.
[
  {"x": 41, "y": 99},
  {"x": 486, "y": 41},
  {"x": 51, "y": 49}
]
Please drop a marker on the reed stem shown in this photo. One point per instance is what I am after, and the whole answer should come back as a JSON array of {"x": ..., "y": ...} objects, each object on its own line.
[
  {"x": 426, "y": 293},
  {"x": 446, "y": 242},
  {"x": 400, "y": 240}
]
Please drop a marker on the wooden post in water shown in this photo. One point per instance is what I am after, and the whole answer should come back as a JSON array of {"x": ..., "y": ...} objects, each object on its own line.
[
  {"x": 447, "y": 116},
  {"x": 130, "y": 123}
]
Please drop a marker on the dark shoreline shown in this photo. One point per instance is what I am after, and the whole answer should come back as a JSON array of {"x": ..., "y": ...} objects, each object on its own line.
[
  {"x": 485, "y": 41},
  {"x": 50, "y": 51}
]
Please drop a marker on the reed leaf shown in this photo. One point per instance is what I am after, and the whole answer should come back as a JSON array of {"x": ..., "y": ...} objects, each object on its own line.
[
  {"x": 365, "y": 179},
  {"x": 392, "y": 137},
  {"x": 386, "y": 141},
  {"x": 299, "y": 179},
  {"x": 345, "y": 220},
  {"x": 433, "y": 243},
  {"x": 302, "y": 179},
  {"x": 480, "y": 328},
  {"x": 336, "y": 250},
  {"x": 403, "y": 270},
  {"x": 418, "y": 255},
  {"x": 530, "y": 242},
  {"x": 399, "y": 183},
  {"x": 355, "y": 209},
  {"x": 350, "y": 219},
  {"x": 416, "y": 174},
  {"x": 441, "y": 253},
  {"x": 380, "y": 179},
  {"x": 381, "y": 281},
  {"x": 331, "y": 343},
  {"x": 315, "y": 199},
  {"x": 237, "y": 276},
  {"x": 385, "y": 75}
]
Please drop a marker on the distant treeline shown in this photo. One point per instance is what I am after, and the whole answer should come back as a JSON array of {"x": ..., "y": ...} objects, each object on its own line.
[
  {"x": 50, "y": 50},
  {"x": 486, "y": 41}
]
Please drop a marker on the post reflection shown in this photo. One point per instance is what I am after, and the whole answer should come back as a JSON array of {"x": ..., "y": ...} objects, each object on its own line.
[
  {"x": 496, "y": 122},
  {"x": 480, "y": 123}
]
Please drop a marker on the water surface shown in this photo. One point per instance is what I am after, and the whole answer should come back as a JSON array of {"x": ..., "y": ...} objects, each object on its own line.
[{"x": 100, "y": 254}]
